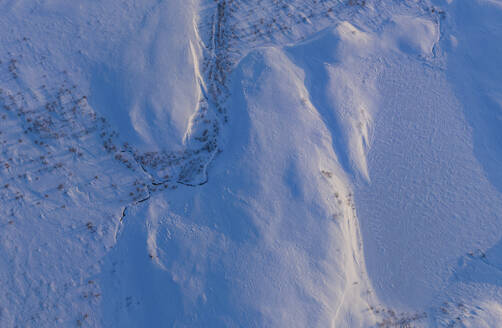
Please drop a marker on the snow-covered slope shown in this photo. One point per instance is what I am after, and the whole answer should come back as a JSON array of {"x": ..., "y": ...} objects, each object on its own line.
[
  {"x": 265, "y": 242},
  {"x": 231, "y": 163}
]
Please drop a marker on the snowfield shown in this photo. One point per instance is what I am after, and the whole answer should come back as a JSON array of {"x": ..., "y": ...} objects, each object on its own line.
[{"x": 231, "y": 163}]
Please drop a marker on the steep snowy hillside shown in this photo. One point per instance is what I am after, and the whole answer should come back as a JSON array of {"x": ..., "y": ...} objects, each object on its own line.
[{"x": 231, "y": 163}]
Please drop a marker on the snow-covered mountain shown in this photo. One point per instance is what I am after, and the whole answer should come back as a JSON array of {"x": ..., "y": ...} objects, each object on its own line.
[{"x": 266, "y": 163}]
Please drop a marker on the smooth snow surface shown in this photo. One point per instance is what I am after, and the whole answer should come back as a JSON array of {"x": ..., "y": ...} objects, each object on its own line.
[{"x": 231, "y": 163}]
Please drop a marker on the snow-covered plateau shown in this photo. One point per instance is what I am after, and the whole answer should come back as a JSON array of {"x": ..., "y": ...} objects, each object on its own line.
[{"x": 250, "y": 163}]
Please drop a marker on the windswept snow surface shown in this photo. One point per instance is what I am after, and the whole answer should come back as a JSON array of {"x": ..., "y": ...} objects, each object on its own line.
[{"x": 231, "y": 163}]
